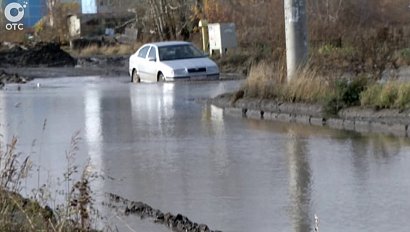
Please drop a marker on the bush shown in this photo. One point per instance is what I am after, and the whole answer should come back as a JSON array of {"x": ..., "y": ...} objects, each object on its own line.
[
  {"x": 346, "y": 94},
  {"x": 403, "y": 56},
  {"x": 350, "y": 92}
]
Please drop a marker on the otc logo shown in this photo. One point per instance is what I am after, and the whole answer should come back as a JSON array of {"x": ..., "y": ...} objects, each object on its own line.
[{"x": 14, "y": 13}]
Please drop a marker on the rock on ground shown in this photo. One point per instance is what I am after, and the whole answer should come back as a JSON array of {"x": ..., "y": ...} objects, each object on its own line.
[{"x": 177, "y": 223}]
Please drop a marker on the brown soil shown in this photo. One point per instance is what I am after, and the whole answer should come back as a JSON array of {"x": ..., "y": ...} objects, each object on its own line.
[{"x": 38, "y": 55}]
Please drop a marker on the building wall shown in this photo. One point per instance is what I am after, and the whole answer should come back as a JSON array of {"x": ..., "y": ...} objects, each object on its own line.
[
  {"x": 107, "y": 6},
  {"x": 88, "y": 6},
  {"x": 116, "y": 6}
]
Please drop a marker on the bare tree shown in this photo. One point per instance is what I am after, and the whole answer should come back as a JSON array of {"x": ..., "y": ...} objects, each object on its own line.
[
  {"x": 51, "y": 5},
  {"x": 171, "y": 18}
]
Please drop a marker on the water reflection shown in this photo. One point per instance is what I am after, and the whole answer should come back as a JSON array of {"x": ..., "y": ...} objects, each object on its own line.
[
  {"x": 214, "y": 127},
  {"x": 94, "y": 138},
  {"x": 299, "y": 182},
  {"x": 386, "y": 147},
  {"x": 93, "y": 125}
]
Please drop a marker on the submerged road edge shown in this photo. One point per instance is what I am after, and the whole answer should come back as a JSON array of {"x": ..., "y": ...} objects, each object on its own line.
[{"x": 363, "y": 120}]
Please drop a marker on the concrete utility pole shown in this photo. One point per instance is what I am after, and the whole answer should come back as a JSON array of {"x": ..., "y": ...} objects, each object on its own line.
[
  {"x": 296, "y": 35},
  {"x": 203, "y": 24}
]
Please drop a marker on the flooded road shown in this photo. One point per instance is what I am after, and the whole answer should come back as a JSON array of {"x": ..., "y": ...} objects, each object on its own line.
[{"x": 157, "y": 144}]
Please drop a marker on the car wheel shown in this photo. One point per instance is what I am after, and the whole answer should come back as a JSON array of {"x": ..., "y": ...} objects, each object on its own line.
[
  {"x": 135, "y": 78},
  {"x": 161, "y": 77}
]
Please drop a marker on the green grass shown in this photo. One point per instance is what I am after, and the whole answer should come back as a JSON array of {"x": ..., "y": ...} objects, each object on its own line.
[
  {"x": 392, "y": 95},
  {"x": 330, "y": 50}
]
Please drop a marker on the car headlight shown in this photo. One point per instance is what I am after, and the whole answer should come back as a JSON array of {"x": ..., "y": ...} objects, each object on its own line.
[
  {"x": 179, "y": 72},
  {"x": 212, "y": 69}
]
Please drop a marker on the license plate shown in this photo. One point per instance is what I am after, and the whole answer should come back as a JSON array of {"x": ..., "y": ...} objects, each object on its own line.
[{"x": 199, "y": 77}]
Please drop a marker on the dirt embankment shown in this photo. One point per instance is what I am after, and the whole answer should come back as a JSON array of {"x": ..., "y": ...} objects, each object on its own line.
[
  {"x": 387, "y": 121},
  {"x": 44, "y": 60},
  {"x": 38, "y": 55},
  {"x": 22, "y": 63}
]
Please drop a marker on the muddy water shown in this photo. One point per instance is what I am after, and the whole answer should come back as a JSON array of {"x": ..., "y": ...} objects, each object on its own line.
[{"x": 155, "y": 143}]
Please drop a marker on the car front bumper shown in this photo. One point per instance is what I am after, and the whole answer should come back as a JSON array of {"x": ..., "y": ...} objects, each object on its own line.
[{"x": 204, "y": 77}]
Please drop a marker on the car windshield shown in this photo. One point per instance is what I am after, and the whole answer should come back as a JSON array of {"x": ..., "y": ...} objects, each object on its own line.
[{"x": 176, "y": 52}]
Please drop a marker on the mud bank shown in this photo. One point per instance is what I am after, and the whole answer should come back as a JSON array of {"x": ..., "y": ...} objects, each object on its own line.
[
  {"x": 6, "y": 78},
  {"x": 177, "y": 223},
  {"x": 392, "y": 122},
  {"x": 38, "y": 55}
]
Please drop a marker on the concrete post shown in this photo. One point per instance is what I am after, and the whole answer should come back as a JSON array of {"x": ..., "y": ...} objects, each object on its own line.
[
  {"x": 296, "y": 35},
  {"x": 203, "y": 24}
]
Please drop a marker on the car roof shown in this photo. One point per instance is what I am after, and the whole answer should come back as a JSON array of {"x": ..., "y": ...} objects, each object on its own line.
[{"x": 168, "y": 43}]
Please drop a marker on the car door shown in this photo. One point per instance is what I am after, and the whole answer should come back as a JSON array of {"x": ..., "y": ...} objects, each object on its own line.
[
  {"x": 141, "y": 63},
  {"x": 152, "y": 67}
]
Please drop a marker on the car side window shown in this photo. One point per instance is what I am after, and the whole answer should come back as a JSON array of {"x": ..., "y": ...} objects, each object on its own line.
[
  {"x": 143, "y": 52},
  {"x": 152, "y": 53}
]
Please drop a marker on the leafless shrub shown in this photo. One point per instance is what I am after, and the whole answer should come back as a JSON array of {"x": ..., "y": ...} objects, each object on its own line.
[
  {"x": 120, "y": 49},
  {"x": 75, "y": 213}
]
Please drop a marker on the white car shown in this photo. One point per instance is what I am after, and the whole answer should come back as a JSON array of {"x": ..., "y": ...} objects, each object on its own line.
[{"x": 171, "y": 61}]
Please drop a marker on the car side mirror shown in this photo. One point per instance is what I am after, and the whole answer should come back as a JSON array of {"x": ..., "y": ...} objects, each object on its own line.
[{"x": 150, "y": 59}]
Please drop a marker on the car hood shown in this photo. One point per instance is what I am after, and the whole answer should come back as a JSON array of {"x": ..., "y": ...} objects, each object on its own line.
[{"x": 189, "y": 63}]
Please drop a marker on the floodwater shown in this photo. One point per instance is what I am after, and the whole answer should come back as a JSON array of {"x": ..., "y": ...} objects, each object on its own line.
[{"x": 158, "y": 144}]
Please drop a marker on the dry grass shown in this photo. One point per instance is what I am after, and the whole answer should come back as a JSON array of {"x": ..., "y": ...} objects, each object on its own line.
[
  {"x": 263, "y": 81},
  {"x": 120, "y": 49},
  {"x": 308, "y": 87},
  {"x": 12, "y": 36},
  {"x": 267, "y": 80}
]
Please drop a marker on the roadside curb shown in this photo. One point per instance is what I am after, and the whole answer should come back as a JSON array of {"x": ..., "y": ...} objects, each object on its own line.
[{"x": 363, "y": 120}]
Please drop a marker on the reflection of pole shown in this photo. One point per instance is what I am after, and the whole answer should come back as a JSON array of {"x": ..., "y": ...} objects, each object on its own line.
[
  {"x": 296, "y": 35},
  {"x": 94, "y": 138},
  {"x": 316, "y": 223},
  {"x": 300, "y": 180}
]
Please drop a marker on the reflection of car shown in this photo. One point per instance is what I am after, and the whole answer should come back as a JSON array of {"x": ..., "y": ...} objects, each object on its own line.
[{"x": 169, "y": 61}]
